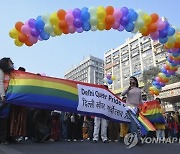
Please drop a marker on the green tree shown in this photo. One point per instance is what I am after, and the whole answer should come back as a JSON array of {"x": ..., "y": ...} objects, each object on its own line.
[{"x": 148, "y": 76}]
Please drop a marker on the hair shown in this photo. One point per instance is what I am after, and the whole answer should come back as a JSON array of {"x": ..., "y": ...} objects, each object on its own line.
[
  {"x": 22, "y": 69},
  {"x": 106, "y": 86},
  {"x": 158, "y": 99},
  {"x": 135, "y": 79},
  {"x": 4, "y": 65}
]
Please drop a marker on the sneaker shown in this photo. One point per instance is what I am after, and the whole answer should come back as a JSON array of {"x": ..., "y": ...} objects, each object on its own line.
[
  {"x": 74, "y": 140},
  {"x": 4, "y": 143},
  {"x": 52, "y": 140},
  {"x": 94, "y": 141},
  {"x": 105, "y": 141},
  {"x": 68, "y": 140}
]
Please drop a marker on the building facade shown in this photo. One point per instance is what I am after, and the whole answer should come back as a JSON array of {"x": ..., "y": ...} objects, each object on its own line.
[
  {"x": 90, "y": 70},
  {"x": 137, "y": 54}
]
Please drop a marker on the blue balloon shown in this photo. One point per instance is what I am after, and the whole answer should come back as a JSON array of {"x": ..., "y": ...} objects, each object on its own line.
[
  {"x": 86, "y": 26},
  {"x": 84, "y": 9},
  {"x": 132, "y": 16},
  {"x": 171, "y": 31},
  {"x": 169, "y": 60},
  {"x": 163, "y": 33},
  {"x": 124, "y": 11},
  {"x": 163, "y": 70},
  {"x": 129, "y": 27},
  {"x": 110, "y": 81},
  {"x": 39, "y": 25},
  {"x": 44, "y": 35},
  {"x": 175, "y": 54},
  {"x": 163, "y": 40},
  {"x": 85, "y": 16}
]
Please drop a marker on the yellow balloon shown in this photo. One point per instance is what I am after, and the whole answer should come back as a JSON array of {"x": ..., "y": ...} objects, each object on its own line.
[
  {"x": 113, "y": 78},
  {"x": 143, "y": 30},
  {"x": 101, "y": 14},
  {"x": 177, "y": 37},
  {"x": 18, "y": 43},
  {"x": 147, "y": 19},
  {"x": 54, "y": 19},
  {"x": 13, "y": 33},
  {"x": 57, "y": 31},
  {"x": 101, "y": 26},
  {"x": 169, "y": 45}
]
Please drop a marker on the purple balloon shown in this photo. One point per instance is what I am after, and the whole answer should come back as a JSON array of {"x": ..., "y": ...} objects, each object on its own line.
[
  {"x": 79, "y": 30},
  {"x": 121, "y": 28},
  {"x": 124, "y": 21},
  {"x": 31, "y": 23},
  {"x": 124, "y": 11},
  {"x": 77, "y": 23},
  {"x": 77, "y": 13},
  {"x": 34, "y": 32}
]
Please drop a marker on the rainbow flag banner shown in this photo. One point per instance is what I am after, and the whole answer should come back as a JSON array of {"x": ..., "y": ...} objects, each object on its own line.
[
  {"x": 32, "y": 90},
  {"x": 152, "y": 111}
]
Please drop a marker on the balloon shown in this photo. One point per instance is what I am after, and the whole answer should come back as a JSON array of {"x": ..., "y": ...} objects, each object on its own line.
[
  {"x": 129, "y": 27},
  {"x": 132, "y": 16},
  {"x": 101, "y": 14},
  {"x": 108, "y": 76},
  {"x": 110, "y": 81},
  {"x": 48, "y": 28},
  {"x": 124, "y": 11},
  {"x": 34, "y": 33},
  {"x": 18, "y": 43},
  {"x": 13, "y": 34},
  {"x": 79, "y": 30},
  {"x": 85, "y": 16},
  {"x": 124, "y": 21},
  {"x": 93, "y": 28},
  {"x": 77, "y": 23},
  {"x": 39, "y": 25},
  {"x": 171, "y": 31},
  {"x": 72, "y": 29},
  {"x": 113, "y": 78},
  {"x": 163, "y": 40},
  {"x": 69, "y": 18},
  {"x": 44, "y": 35},
  {"x": 117, "y": 15},
  {"x": 54, "y": 20},
  {"x": 33, "y": 40},
  {"x": 121, "y": 28},
  {"x": 31, "y": 23},
  {"x": 61, "y": 14},
  {"x": 109, "y": 10},
  {"x": 93, "y": 21},
  {"x": 154, "y": 17},
  {"x": 77, "y": 13},
  {"x": 109, "y": 20},
  {"x": 86, "y": 26},
  {"x": 105, "y": 80},
  {"x": 63, "y": 24},
  {"x": 57, "y": 31},
  {"x": 18, "y": 26},
  {"x": 22, "y": 37}
]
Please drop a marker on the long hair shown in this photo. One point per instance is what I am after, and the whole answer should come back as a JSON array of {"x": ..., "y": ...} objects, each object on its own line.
[
  {"x": 4, "y": 65},
  {"x": 135, "y": 79}
]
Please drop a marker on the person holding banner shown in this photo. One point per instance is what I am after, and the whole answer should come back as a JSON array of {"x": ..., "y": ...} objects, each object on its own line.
[
  {"x": 133, "y": 99},
  {"x": 6, "y": 66},
  {"x": 104, "y": 124}
]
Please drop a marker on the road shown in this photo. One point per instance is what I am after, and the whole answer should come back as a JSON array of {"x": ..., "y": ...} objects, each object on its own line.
[{"x": 87, "y": 147}]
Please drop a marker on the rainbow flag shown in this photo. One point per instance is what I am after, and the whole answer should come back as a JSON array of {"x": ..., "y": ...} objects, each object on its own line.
[
  {"x": 32, "y": 90},
  {"x": 146, "y": 123},
  {"x": 152, "y": 111}
]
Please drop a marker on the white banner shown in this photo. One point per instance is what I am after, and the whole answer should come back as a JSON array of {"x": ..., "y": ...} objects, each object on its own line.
[{"x": 101, "y": 101}]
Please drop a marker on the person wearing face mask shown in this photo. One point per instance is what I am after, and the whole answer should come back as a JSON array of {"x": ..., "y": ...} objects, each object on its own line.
[
  {"x": 6, "y": 66},
  {"x": 134, "y": 98}
]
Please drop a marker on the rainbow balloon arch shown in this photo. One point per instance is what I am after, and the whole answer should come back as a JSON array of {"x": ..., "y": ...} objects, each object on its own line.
[{"x": 101, "y": 18}]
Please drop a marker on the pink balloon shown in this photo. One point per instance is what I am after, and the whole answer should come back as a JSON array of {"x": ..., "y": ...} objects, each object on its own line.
[
  {"x": 117, "y": 14},
  {"x": 116, "y": 25},
  {"x": 33, "y": 39},
  {"x": 72, "y": 29},
  {"x": 25, "y": 29},
  {"x": 161, "y": 24},
  {"x": 69, "y": 18},
  {"x": 155, "y": 35}
]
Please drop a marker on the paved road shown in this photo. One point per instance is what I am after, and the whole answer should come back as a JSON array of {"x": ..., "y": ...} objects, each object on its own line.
[{"x": 87, "y": 147}]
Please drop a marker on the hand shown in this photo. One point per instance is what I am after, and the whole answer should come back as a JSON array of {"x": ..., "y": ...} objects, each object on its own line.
[
  {"x": 3, "y": 98},
  {"x": 129, "y": 88}
]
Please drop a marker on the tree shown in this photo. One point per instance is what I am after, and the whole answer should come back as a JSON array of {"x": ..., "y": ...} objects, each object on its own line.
[{"x": 148, "y": 76}]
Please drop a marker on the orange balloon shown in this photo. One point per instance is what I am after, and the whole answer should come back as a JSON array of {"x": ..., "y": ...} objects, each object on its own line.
[
  {"x": 177, "y": 45},
  {"x": 18, "y": 26},
  {"x": 63, "y": 24},
  {"x": 154, "y": 17},
  {"x": 65, "y": 30},
  {"x": 108, "y": 27},
  {"x": 22, "y": 37},
  {"x": 61, "y": 14},
  {"x": 167, "y": 67},
  {"x": 109, "y": 20},
  {"x": 152, "y": 28},
  {"x": 109, "y": 10},
  {"x": 28, "y": 43},
  {"x": 151, "y": 92}
]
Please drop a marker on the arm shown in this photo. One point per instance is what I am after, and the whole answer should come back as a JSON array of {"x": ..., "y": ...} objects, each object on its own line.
[
  {"x": 125, "y": 92},
  {"x": 2, "y": 92}
]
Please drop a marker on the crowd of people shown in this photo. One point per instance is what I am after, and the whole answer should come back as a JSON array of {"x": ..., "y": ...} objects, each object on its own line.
[{"x": 19, "y": 123}]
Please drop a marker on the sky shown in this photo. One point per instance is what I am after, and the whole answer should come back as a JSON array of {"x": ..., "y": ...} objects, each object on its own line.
[{"x": 59, "y": 54}]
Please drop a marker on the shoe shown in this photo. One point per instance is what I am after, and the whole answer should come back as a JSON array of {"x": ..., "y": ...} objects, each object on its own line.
[
  {"x": 68, "y": 140},
  {"x": 4, "y": 143},
  {"x": 52, "y": 140},
  {"x": 94, "y": 141},
  {"x": 45, "y": 137},
  {"x": 115, "y": 140},
  {"x": 105, "y": 141},
  {"x": 74, "y": 140}
]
